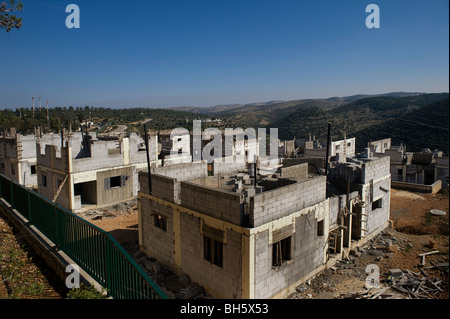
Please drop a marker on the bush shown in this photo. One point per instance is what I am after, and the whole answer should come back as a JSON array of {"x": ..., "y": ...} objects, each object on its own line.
[{"x": 85, "y": 292}]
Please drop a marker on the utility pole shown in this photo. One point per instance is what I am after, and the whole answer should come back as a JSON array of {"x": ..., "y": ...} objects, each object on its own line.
[
  {"x": 148, "y": 160},
  {"x": 328, "y": 149}
]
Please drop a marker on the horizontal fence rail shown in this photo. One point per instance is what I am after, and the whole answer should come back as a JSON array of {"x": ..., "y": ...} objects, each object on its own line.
[{"x": 92, "y": 248}]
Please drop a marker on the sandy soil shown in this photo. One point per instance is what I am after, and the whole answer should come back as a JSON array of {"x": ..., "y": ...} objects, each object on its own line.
[{"x": 414, "y": 228}]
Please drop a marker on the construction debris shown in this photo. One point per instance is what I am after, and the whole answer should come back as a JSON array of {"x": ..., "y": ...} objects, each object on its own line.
[
  {"x": 417, "y": 285},
  {"x": 373, "y": 293},
  {"x": 422, "y": 260},
  {"x": 409, "y": 284}
]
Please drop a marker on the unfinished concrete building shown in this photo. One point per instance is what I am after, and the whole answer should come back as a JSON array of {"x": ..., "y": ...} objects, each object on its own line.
[
  {"x": 16, "y": 160},
  {"x": 180, "y": 146},
  {"x": 380, "y": 146},
  {"x": 244, "y": 238},
  {"x": 18, "y": 156},
  {"x": 340, "y": 149},
  {"x": 82, "y": 169},
  {"x": 415, "y": 168}
]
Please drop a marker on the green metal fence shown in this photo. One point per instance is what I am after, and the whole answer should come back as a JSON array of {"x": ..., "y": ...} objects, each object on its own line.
[{"x": 92, "y": 248}]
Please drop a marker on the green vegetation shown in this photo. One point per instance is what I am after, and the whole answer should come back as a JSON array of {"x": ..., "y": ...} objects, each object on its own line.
[
  {"x": 374, "y": 118},
  {"x": 425, "y": 127},
  {"x": 417, "y": 120},
  {"x": 85, "y": 292},
  {"x": 8, "y": 20},
  {"x": 13, "y": 271},
  {"x": 25, "y": 121}
]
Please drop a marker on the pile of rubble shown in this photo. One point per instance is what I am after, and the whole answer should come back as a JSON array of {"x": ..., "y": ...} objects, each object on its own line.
[
  {"x": 427, "y": 282},
  {"x": 373, "y": 293},
  {"x": 419, "y": 285},
  {"x": 405, "y": 285},
  {"x": 347, "y": 278},
  {"x": 175, "y": 287},
  {"x": 383, "y": 246},
  {"x": 115, "y": 210}
]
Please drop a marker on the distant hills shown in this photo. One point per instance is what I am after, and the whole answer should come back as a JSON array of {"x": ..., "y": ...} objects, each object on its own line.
[
  {"x": 228, "y": 109},
  {"x": 351, "y": 117},
  {"x": 419, "y": 120},
  {"x": 427, "y": 127}
]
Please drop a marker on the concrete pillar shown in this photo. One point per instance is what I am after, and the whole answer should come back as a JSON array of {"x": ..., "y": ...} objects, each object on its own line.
[
  {"x": 126, "y": 151},
  {"x": 177, "y": 238},
  {"x": 248, "y": 266}
]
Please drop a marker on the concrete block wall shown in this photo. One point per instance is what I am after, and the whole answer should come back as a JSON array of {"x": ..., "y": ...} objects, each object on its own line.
[
  {"x": 8, "y": 167},
  {"x": 221, "y": 282},
  {"x": 337, "y": 148},
  {"x": 48, "y": 139},
  {"x": 394, "y": 172},
  {"x": 143, "y": 181},
  {"x": 379, "y": 216},
  {"x": 314, "y": 163},
  {"x": 28, "y": 146},
  {"x": 337, "y": 203},
  {"x": 307, "y": 250},
  {"x": 138, "y": 154},
  {"x": 8, "y": 147},
  {"x": 216, "y": 203},
  {"x": 166, "y": 179},
  {"x": 300, "y": 171},
  {"x": 432, "y": 189},
  {"x": 316, "y": 152},
  {"x": 156, "y": 242},
  {"x": 183, "y": 172},
  {"x": 53, "y": 157},
  {"x": 380, "y": 146},
  {"x": 213, "y": 181},
  {"x": 53, "y": 181},
  {"x": 237, "y": 163},
  {"x": 375, "y": 168},
  {"x": 165, "y": 187},
  {"x": 115, "y": 194},
  {"x": 342, "y": 172},
  {"x": 28, "y": 177},
  {"x": 17, "y": 154},
  {"x": 271, "y": 205},
  {"x": 100, "y": 157}
]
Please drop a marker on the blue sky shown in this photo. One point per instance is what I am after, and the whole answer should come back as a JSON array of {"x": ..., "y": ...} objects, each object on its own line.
[{"x": 160, "y": 53}]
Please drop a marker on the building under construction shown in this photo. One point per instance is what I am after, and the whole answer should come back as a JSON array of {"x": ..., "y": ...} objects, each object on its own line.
[{"x": 246, "y": 235}]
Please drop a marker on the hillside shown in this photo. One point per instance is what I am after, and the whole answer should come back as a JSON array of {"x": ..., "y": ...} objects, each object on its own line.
[
  {"x": 25, "y": 121},
  {"x": 352, "y": 117},
  {"x": 427, "y": 127},
  {"x": 266, "y": 113}
]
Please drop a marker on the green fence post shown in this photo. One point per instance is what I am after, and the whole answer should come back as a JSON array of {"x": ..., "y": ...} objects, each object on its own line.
[
  {"x": 57, "y": 228},
  {"x": 12, "y": 196},
  {"x": 29, "y": 208}
]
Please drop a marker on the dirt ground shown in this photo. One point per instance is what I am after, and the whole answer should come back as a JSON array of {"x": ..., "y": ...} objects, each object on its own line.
[{"x": 415, "y": 231}]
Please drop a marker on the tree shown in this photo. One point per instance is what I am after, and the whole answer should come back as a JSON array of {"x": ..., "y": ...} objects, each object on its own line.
[{"x": 7, "y": 20}]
